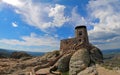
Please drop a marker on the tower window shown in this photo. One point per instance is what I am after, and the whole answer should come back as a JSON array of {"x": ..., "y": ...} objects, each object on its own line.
[
  {"x": 80, "y": 40},
  {"x": 80, "y": 32}
]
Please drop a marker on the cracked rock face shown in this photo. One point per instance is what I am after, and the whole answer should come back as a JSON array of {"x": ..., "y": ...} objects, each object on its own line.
[
  {"x": 79, "y": 61},
  {"x": 63, "y": 63},
  {"x": 96, "y": 55}
]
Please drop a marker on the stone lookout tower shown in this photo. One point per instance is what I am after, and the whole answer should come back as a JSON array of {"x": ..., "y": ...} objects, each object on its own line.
[
  {"x": 79, "y": 41},
  {"x": 81, "y": 32}
]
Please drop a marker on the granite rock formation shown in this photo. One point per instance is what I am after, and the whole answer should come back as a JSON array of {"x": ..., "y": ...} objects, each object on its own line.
[
  {"x": 96, "y": 55},
  {"x": 63, "y": 63},
  {"x": 83, "y": 60},
  {"x": 79, "y": 61}
]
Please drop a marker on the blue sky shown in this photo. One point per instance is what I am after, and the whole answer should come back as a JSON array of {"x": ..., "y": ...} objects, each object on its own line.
[{"x": 39, "y": 25}]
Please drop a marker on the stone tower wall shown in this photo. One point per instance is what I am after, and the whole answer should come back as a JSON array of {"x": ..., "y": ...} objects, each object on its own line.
[
  {"x": 80, "y": 40},
  {"x": 81, "y": 32}
]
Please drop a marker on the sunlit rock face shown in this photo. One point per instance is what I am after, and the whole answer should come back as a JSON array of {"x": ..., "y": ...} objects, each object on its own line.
[
  {"x": 79, "y": 61},
  {"x": 84, "y": 60}
]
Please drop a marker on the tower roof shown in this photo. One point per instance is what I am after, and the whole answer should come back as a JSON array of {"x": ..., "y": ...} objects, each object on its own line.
[{"x": 77, "y": 27}]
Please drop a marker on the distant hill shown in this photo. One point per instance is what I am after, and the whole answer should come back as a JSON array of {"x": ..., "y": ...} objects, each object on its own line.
[
  {"x": 7, "y": 53},
  {"x": 111, "y": 51},
  {"x": 36, "y": 53},
  {"x": 21, "y": 54}
]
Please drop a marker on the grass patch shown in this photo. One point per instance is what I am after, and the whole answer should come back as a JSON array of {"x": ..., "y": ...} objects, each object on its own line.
[{"x": 65, "y": 73}]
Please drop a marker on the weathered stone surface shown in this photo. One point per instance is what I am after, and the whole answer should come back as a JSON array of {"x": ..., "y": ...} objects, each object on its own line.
[
  {"x": 63, "y": 63},
  {"x": 96, "y": 55},
  {"x": 89, "y": 71},
  {"x": 79, "y": 61},
  {"x": 49, "y": 56}
]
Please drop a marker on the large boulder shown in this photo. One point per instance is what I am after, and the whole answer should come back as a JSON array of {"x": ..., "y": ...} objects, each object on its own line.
[
  {"x": 96, "y": 55},
  {"x": 63, "y": 63},
  {"x": 79, "y": 61}
]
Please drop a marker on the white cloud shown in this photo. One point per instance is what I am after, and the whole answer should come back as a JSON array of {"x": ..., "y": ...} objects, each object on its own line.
[
  {"x": 39, "y": 15},
  {"x": 108, "y": 27},
  {"x": 14, "y": 24},
  {"x": 33, "y": 40},
  {"x": 45, "y": 16},
  {"x": 57, "y": 13},
  {"x": 76, "y": 18},
  {"x": 13, "y": 2}
]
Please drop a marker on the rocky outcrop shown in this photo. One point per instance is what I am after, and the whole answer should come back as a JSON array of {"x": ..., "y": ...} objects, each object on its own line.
[
  {"x": 63, "y": 63},
  {"x": 83, "y": 59},
  {"x": 49, "y": 62},
  {"x": 95, "y": 55},
  {"x": 79, "y": 61},
  {"x": 49, "y": 56}
]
